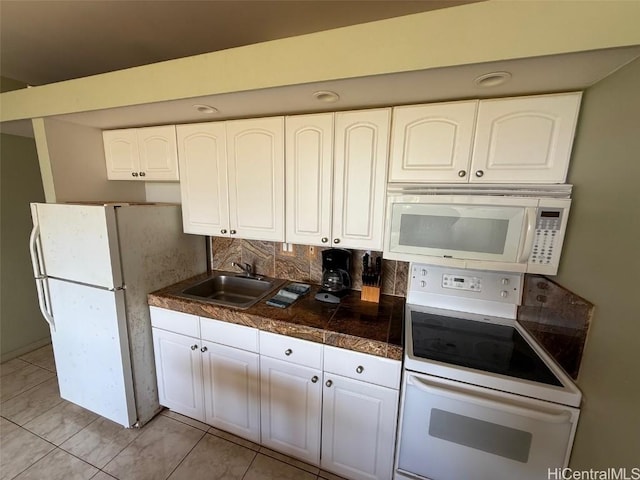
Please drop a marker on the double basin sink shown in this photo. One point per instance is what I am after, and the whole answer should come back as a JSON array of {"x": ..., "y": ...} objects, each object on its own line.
[{"x": 229, "y": 290}]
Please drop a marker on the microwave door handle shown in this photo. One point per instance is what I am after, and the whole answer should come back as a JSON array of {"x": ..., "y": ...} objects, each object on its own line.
[
  {"x": 528, "y": 233},
  {"x": 563, "y": 416},
  {"x": 42, "y": 285}
]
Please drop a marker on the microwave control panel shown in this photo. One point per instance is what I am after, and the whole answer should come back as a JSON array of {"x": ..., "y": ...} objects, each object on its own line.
[{"x": 546, "y": 239}]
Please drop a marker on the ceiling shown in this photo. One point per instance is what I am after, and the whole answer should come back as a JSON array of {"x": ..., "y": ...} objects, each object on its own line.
[
  {"x": 46, "y": 41},
  {"x": 52, "y": 40}
]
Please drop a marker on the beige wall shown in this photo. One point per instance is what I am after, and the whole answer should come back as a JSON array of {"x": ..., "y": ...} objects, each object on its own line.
[
  {"x": 601, "y": 263},
  {"x": 22, "y": 327}
]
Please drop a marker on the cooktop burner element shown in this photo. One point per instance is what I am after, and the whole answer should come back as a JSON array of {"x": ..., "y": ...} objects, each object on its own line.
[{"x": 478, "y": 345}]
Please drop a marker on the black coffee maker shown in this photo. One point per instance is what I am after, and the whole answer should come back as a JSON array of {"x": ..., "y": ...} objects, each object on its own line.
[{"x": 336, "y": 280}]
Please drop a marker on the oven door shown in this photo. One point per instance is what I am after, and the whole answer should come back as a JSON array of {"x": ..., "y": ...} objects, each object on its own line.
[{"x": 451, "y": 431}]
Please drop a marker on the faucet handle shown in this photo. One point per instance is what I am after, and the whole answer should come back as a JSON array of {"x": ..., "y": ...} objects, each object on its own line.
[{"x": 248, "y": 268}]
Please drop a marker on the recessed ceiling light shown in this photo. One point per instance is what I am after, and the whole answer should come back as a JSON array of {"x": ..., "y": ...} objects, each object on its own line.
[
  {"x": 326, "y": 96},
  {"x": 492, "y": 79},
  {"x": 207, "y": 109}
]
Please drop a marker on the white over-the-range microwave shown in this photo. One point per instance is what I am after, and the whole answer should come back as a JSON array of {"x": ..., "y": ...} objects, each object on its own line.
[{"x": 501, "y": 228}]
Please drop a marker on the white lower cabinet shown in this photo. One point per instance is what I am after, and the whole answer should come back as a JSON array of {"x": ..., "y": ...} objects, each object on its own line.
[
  {"x": 212, "y": 382},
  {"x": 179, "y": 372},
  {"x": 231, "y": 390},
  {"x": 359, "y": 417},
  {"x": 327, "y": 406}
]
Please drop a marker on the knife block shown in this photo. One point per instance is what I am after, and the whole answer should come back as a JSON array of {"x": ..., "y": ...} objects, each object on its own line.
[{"x": 370, "y": 294}]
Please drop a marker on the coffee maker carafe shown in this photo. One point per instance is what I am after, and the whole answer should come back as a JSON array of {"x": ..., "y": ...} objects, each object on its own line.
[{"x": 336, "y": 280}]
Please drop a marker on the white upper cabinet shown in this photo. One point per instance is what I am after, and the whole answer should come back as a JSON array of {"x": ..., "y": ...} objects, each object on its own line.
[
  {"x": 147, "y": 154},
  {"x": 309, "y": 167},
  {"x": 507, "y": 140},
  {"x": 336, "y": 170},
  {"x": 233, "y": 178},
  {"x": 255, "y": 161},
  {"x": 432, "y": 143},
  {"x": 526, "y": 139},
  {"x": 361, "y": 147},
  {"x": 202, "y": 155}
]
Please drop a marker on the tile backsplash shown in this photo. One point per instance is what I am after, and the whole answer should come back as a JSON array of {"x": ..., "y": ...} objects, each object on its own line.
[
  {"x": 557, "y": 318},
  {"x": 302, "y": 264}
]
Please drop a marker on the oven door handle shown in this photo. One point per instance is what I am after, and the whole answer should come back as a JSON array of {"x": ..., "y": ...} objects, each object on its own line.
[
  {"x": 528, "y": 234},
  {"x": 562, "y": 417}
]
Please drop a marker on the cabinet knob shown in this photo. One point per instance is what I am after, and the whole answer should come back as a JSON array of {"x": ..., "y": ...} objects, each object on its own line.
[
  {"x": 328, "y": 383},
  {"x": 194, "y": 347},
  {"x": 360, "y": 369},
  {"x": 479, "y": 173},
  {"x": 314, "y": 379},
  {"x": 142, "y": 174},
  {"x": 336, "y": 240},
  {"x": 324, "y": 240},
  {"x": 232, "y": 232},
  {"x": 223, "y": 231},
  {"x": 462, "y": 173},
  {"x": 134, "y": 174},
  {"x": 288, "y": 352},
  {"x": 204, "y": 349}
]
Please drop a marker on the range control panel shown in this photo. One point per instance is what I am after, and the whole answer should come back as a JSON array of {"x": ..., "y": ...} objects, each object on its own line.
[{"x": 502, "y": 287}]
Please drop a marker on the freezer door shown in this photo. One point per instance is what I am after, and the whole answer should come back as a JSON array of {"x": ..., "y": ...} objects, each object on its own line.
[
  {"x": 79, "y": 243},
  {"x": 91, "y": 350}
]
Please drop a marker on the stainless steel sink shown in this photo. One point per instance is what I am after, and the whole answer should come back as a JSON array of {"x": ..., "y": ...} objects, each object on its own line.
[{"x": 230, "y": 290}]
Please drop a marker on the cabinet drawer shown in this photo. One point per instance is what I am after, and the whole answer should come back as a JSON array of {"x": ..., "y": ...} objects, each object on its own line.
[
  {"x": 177, "y": 322},
  {"x": 230, "y": 334},
  {"x": 294, "y": 350},
  {"x": 360, "y": 366}
]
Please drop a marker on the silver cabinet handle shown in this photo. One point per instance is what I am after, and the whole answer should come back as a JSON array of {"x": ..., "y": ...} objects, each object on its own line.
[
  {"x": 194, "y": 347},
  {"x": 142, "y": 174},
  {"x": 134, "y": 174},
  {"x": 328, "y": 383},
  {"x": 336, "y": 240},
  {"x": 223, "y": 231},
  {"x": 288, "y": 352},
  {"x": 314, "y": 379},
  {"x": 204, "y": 349},
  {"x": 479, "y": 173},
  {"x": 461, "y": 173},
  {"x": 360, "y": 369},
  {"x": 232, "y": 232},
  {"x": 324, "y": 240}
]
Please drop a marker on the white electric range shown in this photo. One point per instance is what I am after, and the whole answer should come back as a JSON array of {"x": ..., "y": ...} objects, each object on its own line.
[{"x": 481, "y": 399}]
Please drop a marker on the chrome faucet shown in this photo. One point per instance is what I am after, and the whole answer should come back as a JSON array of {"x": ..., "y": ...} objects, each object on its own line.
[{"x": 246, "y": 268}]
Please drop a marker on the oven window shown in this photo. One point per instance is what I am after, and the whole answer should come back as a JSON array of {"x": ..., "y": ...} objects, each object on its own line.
[
  {"x": 464, "y": 234},
  {"x": 479, "y": 345},
  {"x": 488, "y": 437}
]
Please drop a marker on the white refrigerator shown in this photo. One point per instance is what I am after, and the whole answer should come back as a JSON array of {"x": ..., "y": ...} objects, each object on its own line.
[{"x": 94, "y": 266}]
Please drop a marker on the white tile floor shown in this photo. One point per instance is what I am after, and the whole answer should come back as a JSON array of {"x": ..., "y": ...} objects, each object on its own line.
[{"x": 45, "y": 437}]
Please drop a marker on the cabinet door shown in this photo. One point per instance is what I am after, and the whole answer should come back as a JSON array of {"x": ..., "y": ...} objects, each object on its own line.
[
  {"x": 360, "y": 172},
  {"x": 179, "y": 371},
  {"x": 309, "y": 163},
  {"x": 255, "y": 160},
  {"x": 232, "y": 390},
  {"x": 432, "y": 143},
  {"x": 358, "y": 428},
  {"x": 121, "y": 154},
  {"x": 290, "y": 408},
  {"x": 158, "y": 153},
  {"x": 524, "y": 139},
  {"x": 202, "y": 155}
]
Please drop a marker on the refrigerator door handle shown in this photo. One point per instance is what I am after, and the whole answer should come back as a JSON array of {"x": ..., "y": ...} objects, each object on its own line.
[{"x": 42, "y": 286}]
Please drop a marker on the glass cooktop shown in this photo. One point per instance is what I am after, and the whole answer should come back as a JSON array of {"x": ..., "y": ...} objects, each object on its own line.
[{"x": 480, "y": 345}]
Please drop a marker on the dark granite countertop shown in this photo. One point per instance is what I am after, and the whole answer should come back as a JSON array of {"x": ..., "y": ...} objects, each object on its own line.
[{"x": 373, "y": 328}]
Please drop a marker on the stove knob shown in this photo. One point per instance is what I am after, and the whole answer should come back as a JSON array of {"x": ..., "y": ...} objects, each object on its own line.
[
  {"x": 504, "y": 294},
  {"x": 423, "y": 284},
  {"x": 424, "y": 272},
  {"x": 505, "y": 281}
]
